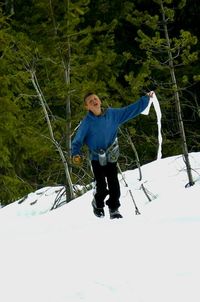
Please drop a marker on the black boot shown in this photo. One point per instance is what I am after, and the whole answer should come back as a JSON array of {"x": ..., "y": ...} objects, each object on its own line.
[
  {"x": 114, "y": 213},
  {"x": 99, "y": 212}
]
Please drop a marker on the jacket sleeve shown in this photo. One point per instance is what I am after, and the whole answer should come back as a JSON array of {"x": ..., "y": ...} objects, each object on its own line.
[
  {"x": 124, "y": 114},
  {"x": 79, "y": 138}
]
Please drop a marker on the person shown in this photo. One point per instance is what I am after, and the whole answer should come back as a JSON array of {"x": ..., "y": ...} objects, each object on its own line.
[{"x": 98, "y": 130}]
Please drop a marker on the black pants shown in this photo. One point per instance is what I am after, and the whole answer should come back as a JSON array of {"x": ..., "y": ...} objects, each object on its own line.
[{"x": 106, "y": 183}]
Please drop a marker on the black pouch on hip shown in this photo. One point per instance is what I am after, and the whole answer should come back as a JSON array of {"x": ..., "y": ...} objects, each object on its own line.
[{"x": 102, "y": 157}]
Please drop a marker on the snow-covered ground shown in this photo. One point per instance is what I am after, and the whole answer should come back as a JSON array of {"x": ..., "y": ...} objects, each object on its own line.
[{"x": 69, "y": 255}]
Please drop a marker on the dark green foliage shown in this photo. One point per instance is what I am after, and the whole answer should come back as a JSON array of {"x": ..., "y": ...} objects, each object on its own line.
[{"x": 110, "y": 47}]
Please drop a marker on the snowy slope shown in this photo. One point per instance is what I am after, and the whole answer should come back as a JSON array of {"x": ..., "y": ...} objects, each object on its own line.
[{"x": 68, "y": 254}]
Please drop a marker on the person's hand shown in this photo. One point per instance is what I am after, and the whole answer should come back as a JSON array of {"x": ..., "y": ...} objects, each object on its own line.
[
  {"x": 150, "y": 94},
  {"x": 77, "y": 160}
]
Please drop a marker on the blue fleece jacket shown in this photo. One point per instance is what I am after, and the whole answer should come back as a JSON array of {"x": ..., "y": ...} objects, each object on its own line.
[{"x": 99, "y": 132}]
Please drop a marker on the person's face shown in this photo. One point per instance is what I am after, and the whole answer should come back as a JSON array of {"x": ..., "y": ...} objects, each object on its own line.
[{"x": 93, "y": 103}]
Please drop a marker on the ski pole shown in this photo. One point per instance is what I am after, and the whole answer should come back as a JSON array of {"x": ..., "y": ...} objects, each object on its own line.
[{"x": 137, "y": 212}]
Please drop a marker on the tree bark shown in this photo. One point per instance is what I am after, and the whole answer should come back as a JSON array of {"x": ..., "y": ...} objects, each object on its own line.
[
  {"x": 69, "y": 186},
  {"x": 66, "y": 61},
  {"x": 177, "y": 98}
]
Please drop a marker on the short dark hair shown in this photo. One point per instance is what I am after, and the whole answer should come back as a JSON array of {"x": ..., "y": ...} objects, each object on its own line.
[{"x": 87, "y": 95}]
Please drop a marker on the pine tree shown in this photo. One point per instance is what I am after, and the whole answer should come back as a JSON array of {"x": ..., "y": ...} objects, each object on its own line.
[
  {"x": 68, "y": 59},
  {"x": 165, "y": 54},
  {"x": 16, "y": 134}
]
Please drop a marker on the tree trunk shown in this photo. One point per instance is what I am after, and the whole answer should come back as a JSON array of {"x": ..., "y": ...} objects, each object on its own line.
[
  {"x": 69, "y": 186},
  {"x": 177, "y": 99},
  {"x": 66, "y": 66},
  {"x": 66, "y": 60}
]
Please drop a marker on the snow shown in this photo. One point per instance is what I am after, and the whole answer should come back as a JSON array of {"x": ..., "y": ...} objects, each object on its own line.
[{"x": 69, "y": 255}]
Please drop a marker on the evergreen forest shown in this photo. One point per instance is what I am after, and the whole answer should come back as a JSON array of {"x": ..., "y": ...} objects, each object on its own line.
[{"x": 53, "y": 52}]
